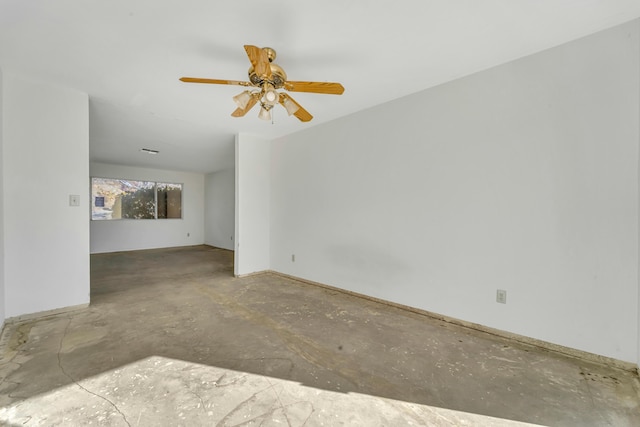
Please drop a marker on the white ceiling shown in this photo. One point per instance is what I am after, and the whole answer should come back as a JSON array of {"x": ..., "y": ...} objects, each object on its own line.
[{"x": 128, "y": 55}]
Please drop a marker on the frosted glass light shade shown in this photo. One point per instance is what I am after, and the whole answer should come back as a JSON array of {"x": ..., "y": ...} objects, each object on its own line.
[
  {"x": 290, "y": 106},
  {"x": 264, "y": 114},
  {"x": 242, "y": 99},
  {"x": 270, "y": 96}
]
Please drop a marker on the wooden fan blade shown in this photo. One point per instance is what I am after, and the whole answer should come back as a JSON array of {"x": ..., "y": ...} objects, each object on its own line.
[
  {"x": 214, "y": 81},
  {"x": 239, "y": 112},
  {"x": 315, "y": 87},
  {"x": 301, "y": 114},
  {"x": 260, "y": 61}
]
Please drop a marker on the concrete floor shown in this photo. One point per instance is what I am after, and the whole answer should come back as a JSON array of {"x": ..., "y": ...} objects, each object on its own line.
[{"x": 172, "y": 338}]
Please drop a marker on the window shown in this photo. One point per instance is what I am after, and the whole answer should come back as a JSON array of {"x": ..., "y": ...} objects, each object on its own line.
[
  {"x": 169, "y": 197},
  {"x": 126, "y": 199}
]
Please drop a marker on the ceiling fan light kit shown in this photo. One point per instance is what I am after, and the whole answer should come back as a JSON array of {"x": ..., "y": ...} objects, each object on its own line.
[{"x": 267, "y": 77}]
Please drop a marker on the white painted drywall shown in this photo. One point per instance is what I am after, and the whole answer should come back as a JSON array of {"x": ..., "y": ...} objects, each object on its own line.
[
  {"x": 2, "y": 270},
  {"x": 219, "y": 209},
  {"x": 128, "y": 235},
  {"x": 252, "y": 204},
  {"x": 45, "y": 159},
  {"x": 523, "y": 177}
]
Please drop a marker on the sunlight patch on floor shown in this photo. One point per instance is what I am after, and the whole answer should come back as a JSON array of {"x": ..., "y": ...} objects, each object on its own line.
[{"x": 163, "y": 391}]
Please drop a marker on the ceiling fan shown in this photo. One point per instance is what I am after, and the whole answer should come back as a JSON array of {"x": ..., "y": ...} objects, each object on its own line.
[{"x": 265, "y": 77}]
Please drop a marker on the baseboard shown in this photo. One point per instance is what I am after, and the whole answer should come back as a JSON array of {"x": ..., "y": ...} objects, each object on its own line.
[
  {"x": 4, "y": 324},
  {"x": 161, "y": 248},
  {"x": 567, "y": 351},
  {"x": 218, "y": 247},
  {"x": 255, "y": 273},
  {"x": 42, "y": 314}
]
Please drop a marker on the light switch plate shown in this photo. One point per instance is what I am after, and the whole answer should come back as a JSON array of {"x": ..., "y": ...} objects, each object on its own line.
[{"x": 74, "y": 200}]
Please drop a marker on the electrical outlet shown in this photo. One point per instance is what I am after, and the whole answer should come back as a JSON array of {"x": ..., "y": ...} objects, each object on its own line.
[
  {"x": 501, "y": 296},
  {"x": 74, "y": 200}
]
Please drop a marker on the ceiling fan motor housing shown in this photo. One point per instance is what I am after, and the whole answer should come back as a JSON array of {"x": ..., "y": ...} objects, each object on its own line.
[{"x": 278, "y": 77}]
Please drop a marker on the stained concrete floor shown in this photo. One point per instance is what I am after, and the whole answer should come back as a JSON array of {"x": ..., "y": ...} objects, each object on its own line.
[{"x": 172, "y": 338}]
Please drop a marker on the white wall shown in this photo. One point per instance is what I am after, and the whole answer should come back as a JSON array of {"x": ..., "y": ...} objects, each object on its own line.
[
  {"x": 219, "y": 209},
  {"x": 45, "y": 159},
  {"x": 127, "y": 235},
  {"x": 2, "y": 288},
  {"x": 523, "y": 177},
  {"x": 252, "y": 204}
]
